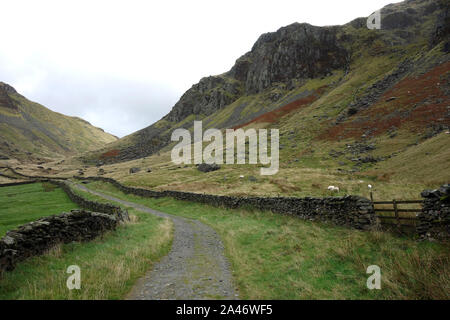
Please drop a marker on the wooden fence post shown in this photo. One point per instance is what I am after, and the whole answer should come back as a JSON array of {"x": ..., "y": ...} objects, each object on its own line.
[{"x": 396, "y": 214}]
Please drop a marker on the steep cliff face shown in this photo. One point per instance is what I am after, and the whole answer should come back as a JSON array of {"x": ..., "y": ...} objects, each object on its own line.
[
  {"x": 5, "y": 100},
  {"x": 206, "y": 97},
  {"x": 298, "y": 51},
  {"x": 442, "y": 29}
]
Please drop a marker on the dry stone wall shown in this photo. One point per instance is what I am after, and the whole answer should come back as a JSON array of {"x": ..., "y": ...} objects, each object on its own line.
[
  {"x": 434, "y": 220},
  {"x": 37, "y": 237},
  {"x": 10, "y": 184},
  {"x": 351, "y": 211},
  {"x": 122, "y": 215},
  {"x": 32, "y": 177}
]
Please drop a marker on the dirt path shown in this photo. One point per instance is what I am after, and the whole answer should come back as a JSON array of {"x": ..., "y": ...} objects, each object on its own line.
[{"x": 195, "y": 268}]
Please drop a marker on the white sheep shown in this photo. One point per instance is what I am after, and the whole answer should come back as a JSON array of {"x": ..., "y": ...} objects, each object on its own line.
[
  {"x": 241, "y": 177},
  {"x": 333, "y": 188}
]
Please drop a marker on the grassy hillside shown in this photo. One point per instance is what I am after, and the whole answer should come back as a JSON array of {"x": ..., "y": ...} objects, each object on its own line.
[{"x": 29, "y": 130}]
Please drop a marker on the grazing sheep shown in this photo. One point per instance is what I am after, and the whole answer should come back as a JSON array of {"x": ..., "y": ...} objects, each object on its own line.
[
  {"x": 333, "y": 188},
  {"x": 241, "y": 176}
]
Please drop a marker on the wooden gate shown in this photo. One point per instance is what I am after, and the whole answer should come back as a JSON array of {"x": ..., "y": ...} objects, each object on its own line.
[{"x": 394, "y": 214}]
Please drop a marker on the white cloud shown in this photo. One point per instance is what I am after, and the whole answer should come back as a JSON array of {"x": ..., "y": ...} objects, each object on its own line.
[{"x": 123, "y": 64}]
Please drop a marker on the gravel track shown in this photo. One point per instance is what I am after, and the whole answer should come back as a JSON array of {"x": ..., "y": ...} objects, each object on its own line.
[{"x": 195, "y": 268}]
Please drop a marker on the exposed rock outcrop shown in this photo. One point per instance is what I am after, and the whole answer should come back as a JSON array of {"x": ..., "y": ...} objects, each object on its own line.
[
  {"x": 442, "y": 29},
  {"x": 5, "y": 99},
  {"x": 298, "y": 51},
  {"x": 206, "y": 97}
]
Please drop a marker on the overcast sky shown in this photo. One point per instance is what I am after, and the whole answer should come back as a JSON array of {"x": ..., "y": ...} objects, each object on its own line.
[{"x": 122, "y": 65}]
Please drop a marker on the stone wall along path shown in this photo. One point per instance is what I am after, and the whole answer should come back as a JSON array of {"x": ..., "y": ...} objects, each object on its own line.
[{"x": 196, "y": 267}]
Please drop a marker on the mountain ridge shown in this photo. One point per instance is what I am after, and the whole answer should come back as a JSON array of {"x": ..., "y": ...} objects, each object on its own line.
[
  {"x": 281, "y": 66},
  {"x": 32, "y": 132}
]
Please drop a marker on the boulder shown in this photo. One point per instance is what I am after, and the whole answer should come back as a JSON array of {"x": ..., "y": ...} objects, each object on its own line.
[
  {"x": 134, "y": 170},
  {"x": 204, "y": 167}
]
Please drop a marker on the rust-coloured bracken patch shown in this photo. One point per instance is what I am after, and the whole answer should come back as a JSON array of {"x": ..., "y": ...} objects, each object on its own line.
[
  {"x": 419, "y": 102},
  {"x": 275, "y": 115},
  {"x": 110, "y": 154}
]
